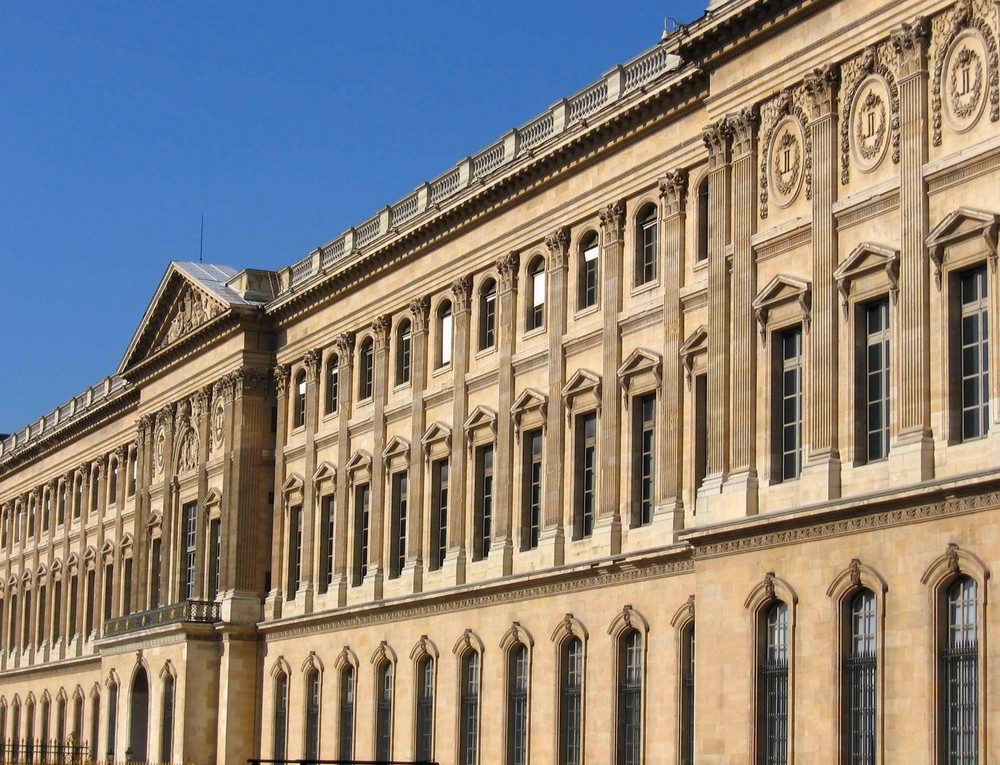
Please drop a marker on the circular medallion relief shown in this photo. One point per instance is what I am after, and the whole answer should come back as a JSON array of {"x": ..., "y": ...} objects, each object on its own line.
[
  {"x": 218, "y": 421},
  {"x": 159, "y": 446},
  {"x": 785, "y": 161},
  {"x": 964, "y": 81},
  {"x": 870, "y": 124}
]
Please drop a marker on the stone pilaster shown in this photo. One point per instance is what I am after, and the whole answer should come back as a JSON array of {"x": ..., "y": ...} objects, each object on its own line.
[
  {"x": 673, "y": 202},
  {"x": 552, "y": 536},
  {"x": 455, "y": 558},
  {"x": 821, "y": 474},
  {"x": 310, "y": 517},
  {"x": 417, "y": 501},
  {"x": 717, "y": 140},
  {"x": 345, "y": 356},
  {"x": 502, "y": 542},
  {"x": 375, "y": 576},
  {"x": 741, "y": 479},
  {"x": 608, "y": 524},
  {"x": 275, "y": 597},
  {"x": 141, "y": 542},
  {"x": 911, "y": 452},
  {"x": 164, "y": 421}
]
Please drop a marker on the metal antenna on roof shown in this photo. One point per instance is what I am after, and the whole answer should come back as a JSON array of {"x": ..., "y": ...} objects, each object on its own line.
[{"x": 201, "y": 241}]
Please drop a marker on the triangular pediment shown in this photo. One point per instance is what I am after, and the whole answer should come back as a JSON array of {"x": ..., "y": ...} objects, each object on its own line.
[
  {"x": 325, "y": 472},
  {"x": 864, "y": 259},
  {"x": 397, "y": 447},
  {"x": 360, "y": 460},
  {"x": 437, "y": 431},
  {"x": 481, "y": 417},
  {"x": 582, "y": 381},
  {"x": 961, "y": 224},
  {"x": 189, "y": 297},
  {"x": 529, "y": 400},
  {"x": 639, "y": 361},
  {"x": 696, "y": 342},
  {"x": 781, "y": 289}
]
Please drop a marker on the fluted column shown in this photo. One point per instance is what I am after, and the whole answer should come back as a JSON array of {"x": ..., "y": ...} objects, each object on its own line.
[
  {"x": 310, "y": 517},
  {"x": 822, "y": 471},
  {"x": 276, "y": 595},
  {"x": 141, "y": 541},
  {"x": 673, "y": 200},
  {"x": 552, "y": 536},
  {"x": 456, "y": 556},
  {"x": 164, "y": 420},
  {"x": 717, "y": 140},
  {"x": 502, "y": 543},
  {"x": 913, "y": 450},
  {"x": 376, "y": 553},
  {"x": 417, "y": 501},
  {"x": 741, "y": 480},
  {"x": 345, "y": 356}
]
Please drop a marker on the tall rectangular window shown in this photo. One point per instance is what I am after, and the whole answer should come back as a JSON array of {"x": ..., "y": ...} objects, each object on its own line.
[
  {"x": 214, "y": 556},
  {"x": 876, "y": 381},
  {"x": 959, "y": 694},
  {"x": 397, "y": 526},
  {"x": 488, "y": 317},
  {"x": 280, "y": 716},
  {"x": 469, "y": 719},
  {"x": 329, "y": 531},
  {"x": 91, "y": 602},
  {"x": 629, "y": 733},
  {"x": 531, "y": 489},
  {"x": 483, "y": 518},
  {"x": 585, "y": 467},
  {"x": 643, "y": 459},
  {"x": 190, "y": 530},
  {"x": 439, "y": 514},
  {"x": 56, "y": 611},
  {"x": 446, "y": 328},
  {"x": 154, "y": 573},
  {"x": 571, "y": 702},
  {"x": 74, "y": 595},
  {"x": 167, "y": 725},
  {"x": 366, "y": 370},
  {"x": 332, "y": 384},
  {"x": 589, "y": 272},
  {"x": 347, "y": 713},
  {"x": 772, "y": 685},
  {"x": 312, "y": 714},
  {"x": 787, "y": 403},
  {"x": 362, "y": 513},
  {"x": 109, "y": 590},
  {"x": 975, "y": 354},
  {"x": 126, "y": 605},
  {"x": 645, "y": 261},
  {"x": 700, "y": 429},
  {"x": 26, "y": 618},
  {"x": 859, "y": 682},
  {"x": 40, "y": 621},
  {"x": 517, "y": 705},
  {"x": 425, "y": 709},
  {"x": 687, "y": 695},
  {"x": 383, "y": 713},
  {"x": 295, "y": 550}
]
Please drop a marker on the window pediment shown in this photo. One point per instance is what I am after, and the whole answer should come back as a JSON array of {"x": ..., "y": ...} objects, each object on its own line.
[
  {"x": 958, "y": 226},
  {"x": 359, "y": 466},
  {"x": 528, "y": 409},
  {"x": 695, "y": 345},
  {"x": 436, "y": 441},
  {"x": 326, "y": 472},
  {"x": 293, "y": 489},
  {"x": 481, "y": 425},
  {"x": 396, "y": 454},
  {"x": 642, "y": 368},
  {"x": 582, "y": 389},
  {"x": 867, "y": 259},
  {"x": 783, "y": 295}
]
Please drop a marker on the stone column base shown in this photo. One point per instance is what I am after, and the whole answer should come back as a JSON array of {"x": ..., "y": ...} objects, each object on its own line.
[
  {"x": 911, "y": 458},
  {"x": 820, "y": 479}
]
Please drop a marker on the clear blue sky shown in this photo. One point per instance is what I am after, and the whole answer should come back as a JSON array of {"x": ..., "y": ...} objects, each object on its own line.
[{"x": 283, "y": 122}]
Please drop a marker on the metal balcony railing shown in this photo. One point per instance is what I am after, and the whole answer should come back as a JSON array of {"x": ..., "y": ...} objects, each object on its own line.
[{"x": 197, "y": 611}]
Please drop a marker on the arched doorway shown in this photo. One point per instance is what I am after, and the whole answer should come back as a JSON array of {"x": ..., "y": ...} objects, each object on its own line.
[{"x": 138, "y": 733}]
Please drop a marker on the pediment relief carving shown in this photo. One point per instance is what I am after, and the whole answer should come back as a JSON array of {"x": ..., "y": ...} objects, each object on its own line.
[
  {"x": 961, "y": 225},
  {"x": 191, "y": 308},
  {"x": 782, "y": 290},
  {"x": 865, "y": 259}
]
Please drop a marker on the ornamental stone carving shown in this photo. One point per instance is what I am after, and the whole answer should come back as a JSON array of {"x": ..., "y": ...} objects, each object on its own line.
[
  {"x": 461, "y": 289},
  {"x": 909, "y": 41},
  {"x": 558, "y": 245},
  {"x": 507, "y": 271},
  {"x": 868, "y": 92},
  {"x": 716, "y": 139},
  {"x": 419, "y": 309},
  {"x": 193, "y": 310},
  {"x": 380, "y": 331},
  {"x": 786, "y": 161},
  {"x": 218, "y": 422},
  {"x": 187, "y": 454},
  {"x": 784, "y": 166},
  {"x": 281, "y": 375},
  {"x": 673, "y": 191},
  {"x": 251, "y": 381},
  {"x": 312, "y": 361},
  {"x": 966, "y": 70},
  {"x": 821, "y": 88},
  {"x": 612, "y": 220},
  {"x": 743, "y": 125},
  {"x": 344, "y": 343}
]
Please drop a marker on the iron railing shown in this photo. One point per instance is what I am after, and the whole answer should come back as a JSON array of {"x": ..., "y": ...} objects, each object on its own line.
[
  {"x": 38, "y": 752},
  {"x": 198, "y": 611},
  {"x": 340, "y": 762}
]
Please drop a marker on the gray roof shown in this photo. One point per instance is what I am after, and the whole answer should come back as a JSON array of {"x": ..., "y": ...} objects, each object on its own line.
[{"x": 213, "y": 279}]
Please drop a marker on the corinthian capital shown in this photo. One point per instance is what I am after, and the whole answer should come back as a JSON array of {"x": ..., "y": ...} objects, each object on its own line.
[
  {"x": 716, "y": 137},
  {"x": 612, "y": 219},
  {"x": 380, "y": 331},
  {"x": 909, "y": 40},
  {"x": 281, "y": 373},
  {"x": 673, "y": 191},
  {"x": 558, "y": 245},
  {"x": 461, "y": 288},
  {"x": 344, "y": 343},
  {"x": 507, "y": 271},
  {"x": 312, "y": 361},
  {"x": 743, "y": 129},
  {"x": 418, "y": 313},
  {"x": 821, "y": 87}
]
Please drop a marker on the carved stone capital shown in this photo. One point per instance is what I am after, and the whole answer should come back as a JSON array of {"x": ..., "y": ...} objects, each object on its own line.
[
  {"x": 821, "y": 88},
  {"x": 380, "y": 331},
  {"x": 344, "y": 343},
  {"x": 461, "y": 289},
  {"x": 165, "y": 418},
  {"x": 612, "y": 219},
  {"x": 507, "y": 271},
  {"x": 717, "y": 140},
  {"x": 312, "y": 361},
  {"x": 558, "y": 245},
  {"x": 120, "y": 453},
  {"x": 419, "y": 309},
  {"x": 281, "y": 376},
  {"x": 909, "y": 41},
  {"x": 199, "y": 404},
  {"x": 743, "y": 129},
  {"x": 251, "y": 381},
  {"x": 673, "y": 191},
  {"x": 144, "y": 429}
]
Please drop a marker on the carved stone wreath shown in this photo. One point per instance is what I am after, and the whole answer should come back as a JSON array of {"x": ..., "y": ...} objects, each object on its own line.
[
  {"x": 869, "y": 146},
  {"x": 159, "y": 446},
  {"x": 871, "y": 67},
  {"x": 218, "y": 421},
  {"x": 964, "y": 105},
  {"x": 870, "y": 124},
  {"x": 786, "y": 165}
]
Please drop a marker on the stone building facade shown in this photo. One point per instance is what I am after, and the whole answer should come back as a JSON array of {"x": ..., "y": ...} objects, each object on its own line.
[{"x": 706, "y": 343}]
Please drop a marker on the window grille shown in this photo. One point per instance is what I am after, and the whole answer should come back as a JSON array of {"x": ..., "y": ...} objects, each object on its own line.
[
  {"x": 860, "y": 682},
  {"x": 630, "y": 699},
  {"x": 773, "y": 688},
  {"x": 571, "y": 703},
  {"x": 469, "y": 721},
  {"x": 425, "y": 709},
  {"x": 517, "y": 706},
  {"x": 347, "y": 713},
  {"x": 383, "y": 717},
  {"x": 960, "y": 660}
]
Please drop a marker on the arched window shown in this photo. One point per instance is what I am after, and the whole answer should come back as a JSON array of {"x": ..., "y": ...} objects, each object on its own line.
[
  {"x": 78, "y": 718},
  {"x": 488, "y": 315},
  {"x": 3, "y": 723},
  {"x": 958, "y": 692},
  {"x": 366, "y": 369},
  {"x": 29, "y": 730},
  {"x": 445, "y": 328},
  {"x": 629, "y": 743},
  {"x": 95, "y": 722},
  {"x": 63, "y": 499},
  {"x": 95, "y": 490},
  {"x": 404, "y": 337},
  {"x": 468, "y": 740},
  {"x": 425, "y": 709},
  {"x": 167, "y": 725},
  {"x": 646, "y": 245},
  {"x": 60, "y": 721},
  {"x": 702, "y": 252},
  {"x": 78, "y": 498},
  {"x": 571, "y": 702},
  {"x": 112, "y": 720},
  {"x": 535, "y": 318},
  {"x": 299, "y": 400},
  {"x": 280, "y": 716},
  {"x": 15, "y": 729},
  {"x": 347, "y": 713},
  {"x": 113, "y": 482},
  {"x": 590, "y": 271},
  {"x": 772, "y": 686},
  {"x": 687, "y": 694},
  {"x": 517, "y": 705},
  {"x": 332, "y": 383},
  {"x": 312, "y": 714},
  {"x": 859, "y": 680},
  {"x": 383, "y": 713},
  {"x": 32, "y": 512}
]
